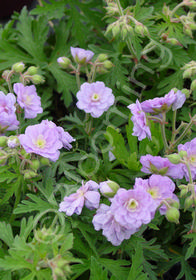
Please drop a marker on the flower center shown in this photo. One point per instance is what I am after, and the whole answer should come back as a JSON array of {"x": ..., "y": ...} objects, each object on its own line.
[
  {"x": 95, "y": 97},
  {"x": 40, "y": 142},
  {"x": 192, "y": 159},
  {"x": 131, "y": 204},
  {"x": 28, "y": 100},
  {"x": 153, "y": 192}
]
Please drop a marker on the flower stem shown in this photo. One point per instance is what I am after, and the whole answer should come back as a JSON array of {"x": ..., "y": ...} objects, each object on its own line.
[
  {"x": 163, "y": 131},
  {"x": 173, "y": 127},
  {"x": 78, "y": 76},
  {"x": 176, "y": 8}
]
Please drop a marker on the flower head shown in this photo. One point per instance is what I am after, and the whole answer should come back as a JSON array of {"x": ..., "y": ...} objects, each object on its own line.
[
  {"x": 162, "y": 166},
  {"x": 95, "y": 98},
  {"x": 159, "y": 104},
  {"x": 87, "y": 195},
  {"x": 42, "y": 139},
  {"x": 81, "y": 56},
  {"x": 28, "y": 100},
  {"x": 112, "y": 230},
  {"x": 190, "y": 148},
  {"x": 8, "y": 120},
  {"x": 140, "y": 129}
]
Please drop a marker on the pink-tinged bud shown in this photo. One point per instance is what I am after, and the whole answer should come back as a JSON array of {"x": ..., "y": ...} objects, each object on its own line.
[
  {"x": 64, "y": 62},
  {"x": 18, "y": 67},
  {"x": 173, "y": 215},
  {"x": 109, "y": 188}
]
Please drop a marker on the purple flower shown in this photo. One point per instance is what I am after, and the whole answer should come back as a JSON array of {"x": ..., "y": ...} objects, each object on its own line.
[
  {"x": 112, "y": 230},
  {"x": 95, "y": 98},
  {"x": 162, "y": 166},
  {"x": 190, "y": 148},
  {"x": 42, "y": 139},
  {"x": 180, "y": 99},
  {"x": 159, "y": 104},
  {"x": 87, "y": 195},
  {"x": 8, "y": 120},
  {"x": 28, "y": 100},
  {"x": 132, "y": 208},
  {"x": 81, "y": 56},
  {"x": 140, "y": 129},
  {"x": 159, "y": 187}
]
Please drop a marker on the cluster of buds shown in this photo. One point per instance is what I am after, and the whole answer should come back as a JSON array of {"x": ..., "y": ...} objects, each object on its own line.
[
  {"x": 30, "y": 75},
  {"x": 7, "y": 147},
  {"x": 112, "y": 9},
  {"x": 189, "y": 72},
  {"x": 190, "y": 3},
  {"x": 188, "y": 23}
]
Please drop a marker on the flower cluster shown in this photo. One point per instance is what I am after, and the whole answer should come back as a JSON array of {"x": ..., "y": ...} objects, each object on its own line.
[
  {"x": 155, "y": 107},
  {"x": 45, "y": 139}
]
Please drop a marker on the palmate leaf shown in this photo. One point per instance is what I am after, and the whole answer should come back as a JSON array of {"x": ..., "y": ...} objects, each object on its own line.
[
  {"x": 96, "y": 271},
  {"x": 6, "y": 233},
  {"x": 51, "y": 9},
  {"x": 192, "y": 245}
]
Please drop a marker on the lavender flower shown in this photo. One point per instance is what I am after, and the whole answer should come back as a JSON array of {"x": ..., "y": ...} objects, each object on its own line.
[
  {"x": 190, "y": 148},
  {"x": 159, "y": 187},
  {"x": 8, "y": 120},
  {"x": 81, "y": 56},
  {"x": 180, "y": 99},
  {"x": 159, "y": 104},
  {"x": 87, "y": 195},
  {"x": 112, "y": 230},
  {"x": 132, "y": 208},
  {"x": 140, "y": 129},
  {"x": 162, "y": 166},
  {"x": 95, "y": 98},
  {"x": 28, "y": 100},
  {"x": 42, "y": 139}
]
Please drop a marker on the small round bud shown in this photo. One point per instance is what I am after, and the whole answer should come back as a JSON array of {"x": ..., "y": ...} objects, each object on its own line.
[
  {"x": 32, "y": 70},
  {"x": 37, "y": 79},
  {"x": 102, "y": 57},
  {"x": 187, "y": 73},
  {"x": 18, "y": 67},
  {"x": 173, "y": 41},
  {"x": 29, "y": 174},
  {"x": 35, "y": 164},
  {"x": 25, "y": 154},
  {"x": 183, "y": 192},
  {"x": 115, "y": 30},
  {"x": 173, "y": 215},
  {"x": 174, "y": 158},
  {"x": 182, "y": 154},
  {"x": 109, "y": 188},
  {"x": 193, "y": 85},
  {"x": 13, "y": 142},
  {"x": 188, "y": 31},
  {"x": 107, "y": 64},
  {"x": 44, "y": 161},
  {"x": 175, "y": 204},
  {"x": 64, "y": 62},
  {"x": 186, "y": 92},
  {"x": 3, "y": 141},
  {"x": 188, "y": 202}
]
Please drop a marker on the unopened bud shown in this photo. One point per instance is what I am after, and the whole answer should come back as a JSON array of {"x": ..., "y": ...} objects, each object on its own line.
[
  {"x": 102, "y": 57},
  {"x": 188, "y": 31},
  {"x": 186, "y": 92},
  {"x": 193, "y": 85},
  {"x": 37, "y": 79},
  {"x": 25, "y": 154},
  {"x": 173, "y": 215},
  {"x": 29, "y": 174},
  {"x": 174, "y": 158},
  {"x": 64, "y": 62},
  {"x": 175, "y": 204},
  {"x": 107, "y": 64},
  {"x": 6, "y": 74},
  {"x": 141, "y": 29},
  {"x": 18, "y": 67},
  {"x": 44, "y": 161},
  {"x": 173, "y": 41},
  {"x": 183, "y": 192},
  {"x": 35, "y": 164},
  {"x": 3, "y": 141},
  {"x": 188, "y": 202},
  {"x": 13, "y": 142},
  {"x": 187, "y": 73},
  {"x": 115, "y": 30},
  {"x": 109, "y": 188},
  {"x": 58, "y": 271},
  {"x": 182, "y": 154},
  {"x": 32, "y": 70}
]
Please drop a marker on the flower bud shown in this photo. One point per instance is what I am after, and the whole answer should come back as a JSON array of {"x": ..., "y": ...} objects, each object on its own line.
[
  {"x": 5, "y": 74},
  {"x": 115, "y": 30},
  {"x": 175, "y": 204},
  {"x": 188, "y": 202},
  {"x": 174, "y": 158},
  {"x": 173, "y": 41},
  {"x": 186, "y": 92},
  {"x": 162, "y": 171},
  {"x": 3, "y": 141},
  {"x": 182, "y": 154},
  {"x": 25, "y": 154},
  {"x": 37, "y": 79},
  {"x": 32, "y": 70},
  {"x": 64, "y": 62},
  {"x": 35, "y": 164},
  {"x": 187, "y": 73},
  {"x": 29, "y": 174},
  {"x": 13, "y": 142},
  {"x": 102, "y": 57},
  {"x": 108, "y": 64},
  {"x": 44, "y": 161},
  {"x": 109, "y": 188},
  {"x": 193, "y": 85},
  {"x": 173, "y": 215},
  {"x": 141, "y": 29},
  {"x": 18, "y": 67},
  {"x": 58, "y": 271},
  {"x": 183, "y": 192},
  {"x": 188, "y": 31}
]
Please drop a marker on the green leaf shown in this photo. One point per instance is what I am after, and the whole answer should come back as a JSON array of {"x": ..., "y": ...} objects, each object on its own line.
[
  {"x": 132, "y": 140},
  {"x": 96, "y": 271},
  {"x": 133, "y": 162},
  {"x": 6, "y": 233}
]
